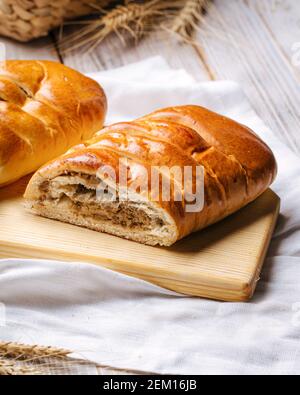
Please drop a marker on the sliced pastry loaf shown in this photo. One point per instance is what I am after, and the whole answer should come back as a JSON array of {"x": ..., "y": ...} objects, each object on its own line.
[{"x": 116, "y": 183}]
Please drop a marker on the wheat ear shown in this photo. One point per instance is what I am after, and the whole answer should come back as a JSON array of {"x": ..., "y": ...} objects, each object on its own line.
[
  {"x": 133, "y": 18},
  {"x": 186, "y": 21},
  {"x": 24, "y": 351}
]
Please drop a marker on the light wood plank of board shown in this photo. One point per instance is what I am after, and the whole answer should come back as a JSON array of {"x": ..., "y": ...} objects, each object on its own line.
[{"x": 221, "y": 262}]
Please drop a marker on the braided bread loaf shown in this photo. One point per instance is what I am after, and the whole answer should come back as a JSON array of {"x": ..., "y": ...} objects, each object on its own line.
[
  {"x": 45, "y": 108},
  {"x": 238, "y": 167}
]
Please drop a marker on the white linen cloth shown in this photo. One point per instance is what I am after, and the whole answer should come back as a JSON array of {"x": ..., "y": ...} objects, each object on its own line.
[{"x": 124, "y": 322}]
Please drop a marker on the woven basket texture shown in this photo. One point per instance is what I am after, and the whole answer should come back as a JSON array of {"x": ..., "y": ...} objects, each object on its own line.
[{"x": 25, "y": 20}]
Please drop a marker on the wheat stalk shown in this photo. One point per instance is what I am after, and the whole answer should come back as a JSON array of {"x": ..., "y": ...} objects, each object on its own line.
[
  {"x": 23, "y": 351},
  {"x": 32, "y": 18},
  {"x": 186, "y": 21},
  {"x": 8, "y": 368},
  {"x": 133, "y": 18}
]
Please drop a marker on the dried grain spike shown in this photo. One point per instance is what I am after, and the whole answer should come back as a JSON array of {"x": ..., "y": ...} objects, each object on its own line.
[
  {"x": 186, "y": 21},
  {"x": 133, "y": 18},
  {"x": 23, "y": 351}
]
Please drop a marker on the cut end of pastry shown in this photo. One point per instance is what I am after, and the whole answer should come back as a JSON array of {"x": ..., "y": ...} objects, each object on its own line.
[
  {"x": 73, "y": 198},
  {"x": 236, "y": 168}
]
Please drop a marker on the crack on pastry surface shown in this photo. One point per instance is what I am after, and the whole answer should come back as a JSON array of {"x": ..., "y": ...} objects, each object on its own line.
[
  {"x": 238, "y": 167},
  {"x": 188, "y": 152},
  {"x": 45, "y": 109}
]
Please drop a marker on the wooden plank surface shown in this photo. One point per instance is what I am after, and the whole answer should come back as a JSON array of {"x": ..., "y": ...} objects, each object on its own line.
[
  {"x": 223, "y": 261},
  {"x": 43, "y": 48},
  {"x": 239, "y": 46},
  {"x": 282, "y": 19}
]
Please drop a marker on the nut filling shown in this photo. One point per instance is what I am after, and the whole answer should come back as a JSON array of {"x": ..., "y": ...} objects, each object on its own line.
[{"x": 78, "y": 192}]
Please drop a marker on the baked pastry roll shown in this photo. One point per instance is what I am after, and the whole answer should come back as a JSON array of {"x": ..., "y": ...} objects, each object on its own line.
[
  {"x": 45, "y": 108},
  {"x": 237, "y": 168}
]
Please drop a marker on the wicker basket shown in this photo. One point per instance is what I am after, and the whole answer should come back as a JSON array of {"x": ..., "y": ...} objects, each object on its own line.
[{"x": 24, "y": 20}]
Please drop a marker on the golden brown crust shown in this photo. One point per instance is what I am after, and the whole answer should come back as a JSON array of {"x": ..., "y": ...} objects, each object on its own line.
[
  {"x": 238, "y": 165},
  {"x": 45, "y": 108}
]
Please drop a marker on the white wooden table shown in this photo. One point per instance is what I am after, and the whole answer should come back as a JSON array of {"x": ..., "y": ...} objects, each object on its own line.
[{"x": 254, "y": 42}]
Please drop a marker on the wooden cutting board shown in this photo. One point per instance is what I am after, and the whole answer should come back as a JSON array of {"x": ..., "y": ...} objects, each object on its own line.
[{"x": 222, "y": 262}]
